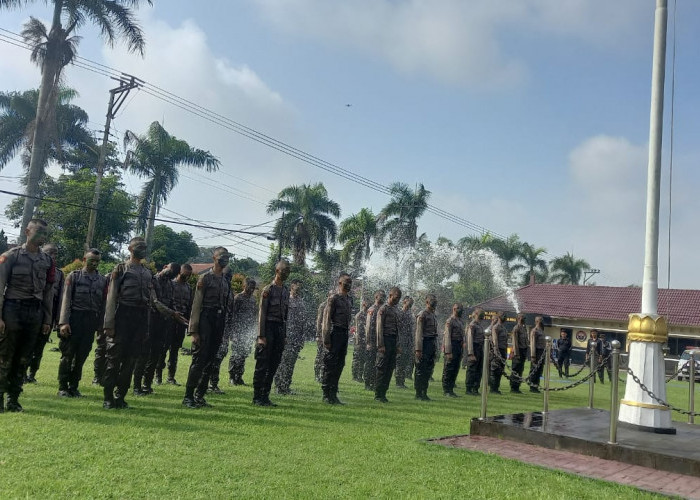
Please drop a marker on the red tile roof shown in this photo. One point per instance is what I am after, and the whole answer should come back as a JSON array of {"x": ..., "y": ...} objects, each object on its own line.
[
  {"x": 680, "y": 307},
  {"x": 201, "y": 268}
]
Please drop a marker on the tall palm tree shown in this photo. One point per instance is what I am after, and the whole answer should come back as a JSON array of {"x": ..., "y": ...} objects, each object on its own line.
[
  {"x": 158, "y": 156},
  {"x": 398, "y": 220},
  {"x": 68, "y": 134},
  {"x": 307, "y": 223},
  {"x": 356, "y": 234},
  {"x": 533, "y": 264},
  {"x": 567, "y": 270},
  {"x": 509, "y": 250},
  {"x": 474, "y": 243},
  {"x": 53, "y": 49}
]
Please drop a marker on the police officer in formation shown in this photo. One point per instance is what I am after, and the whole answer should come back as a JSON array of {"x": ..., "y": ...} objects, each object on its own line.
[
  {"x": 82, "y": 313},
  {"x": 453, "y": 340},
  {"x": 27, "y": 275},
  {"x": 370, "y": 372},
  {"x": 336, "y": 326},
  {"x": 129, "y": 299},
  {"x": 499, "y": 339},
  {"x": 52, "y": 251},
  {"x": 212, "y": 303},
  {"x": 359, "y": 352},
  {"x": 425, "y": 346},
  {"x": 521, "y": 351},
  {"x": 272, "y": 330},
  {"x": 182, "y": 303},
  {"x": 406, "y": 355},
  {"x": 475, "y": 352},
  {"x": 387, "y": 333},
  {"x": 537, "y": 347},
  {"x": 243, "y": 331},
  {"x": 296, "y": 329}
]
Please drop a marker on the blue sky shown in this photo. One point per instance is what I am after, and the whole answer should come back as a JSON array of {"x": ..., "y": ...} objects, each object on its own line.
[{"x": 522, "y": 116}]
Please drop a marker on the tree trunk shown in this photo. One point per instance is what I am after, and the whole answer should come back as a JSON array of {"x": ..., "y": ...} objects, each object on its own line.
[{"x": 152, "y": 215}]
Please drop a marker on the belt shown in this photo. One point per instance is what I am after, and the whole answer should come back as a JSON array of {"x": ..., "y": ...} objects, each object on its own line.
[{"x": 215, "y": 310}]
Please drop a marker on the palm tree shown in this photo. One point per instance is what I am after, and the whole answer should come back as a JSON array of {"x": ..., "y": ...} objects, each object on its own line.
[
  {"x": 398, "y": 220},
  {"x": 475, "y": 243},
  {"x": 567, "y": 270},
  {"x": 67, "y": 136},
  {"x": 306, "y": 224},
  {"x": 509, "y": 250},
  {"x": 533, "y": 264},
  {"x": 52, "y": 50},
  {"x": 158, "y": 156},
  {"x": 356, "y": 234}
]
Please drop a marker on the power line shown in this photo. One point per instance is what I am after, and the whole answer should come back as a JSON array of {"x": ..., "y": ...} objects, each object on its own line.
[{"x": 198, "y": 110}]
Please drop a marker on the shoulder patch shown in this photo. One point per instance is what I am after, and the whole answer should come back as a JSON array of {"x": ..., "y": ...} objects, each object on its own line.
[
  {"x": 3, "y": 259},
  {"x": 200, "y": 283}
]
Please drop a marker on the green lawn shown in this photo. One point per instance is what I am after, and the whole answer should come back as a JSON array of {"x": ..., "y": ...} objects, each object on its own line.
[{"x": 62, "y": 448}]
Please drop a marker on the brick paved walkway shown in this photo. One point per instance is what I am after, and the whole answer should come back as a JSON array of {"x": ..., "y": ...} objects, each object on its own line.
[{"x": 667, "y": 483}]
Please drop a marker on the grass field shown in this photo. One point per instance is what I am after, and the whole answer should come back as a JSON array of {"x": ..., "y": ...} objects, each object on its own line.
[{"x": 63, "y": 448}]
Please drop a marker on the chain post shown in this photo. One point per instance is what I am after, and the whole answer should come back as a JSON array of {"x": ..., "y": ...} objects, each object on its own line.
[
  {"x": 547, "y": 355},
  {"x": 591, "y": 381},
  {"x": 485, "y": 377},
  {"x": 691, "y": 388},
  {"x": 614, "y": 397}
]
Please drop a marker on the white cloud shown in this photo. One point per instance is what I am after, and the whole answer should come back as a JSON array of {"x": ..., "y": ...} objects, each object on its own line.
[{"x": 454, "y": 41}]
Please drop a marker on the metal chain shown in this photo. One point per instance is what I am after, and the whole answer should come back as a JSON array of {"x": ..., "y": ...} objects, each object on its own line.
[
  {"x": 581, "y": 381},
  {"x": 679, "y": 370},
  {"x": 656, "y": 398}
]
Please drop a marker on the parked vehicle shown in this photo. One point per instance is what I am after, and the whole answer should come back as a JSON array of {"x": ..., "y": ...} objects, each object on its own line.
[{"x": 684, "y": 366}]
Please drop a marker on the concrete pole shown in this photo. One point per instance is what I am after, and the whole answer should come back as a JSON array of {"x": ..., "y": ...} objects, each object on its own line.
[{"x": 648, "y": 332}]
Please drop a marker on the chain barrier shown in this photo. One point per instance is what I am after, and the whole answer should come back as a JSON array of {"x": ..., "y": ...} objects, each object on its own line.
[
  {"x": 584, "y": 379},
  {"x": 508, "y": 372},
  {"x": 684, "y": 365},
  {"x": 656, "y": 398}
]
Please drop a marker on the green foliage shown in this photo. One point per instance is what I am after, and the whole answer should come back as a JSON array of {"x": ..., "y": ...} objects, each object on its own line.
[
  {"x": 105, "y": 268},
  {"x": 73, "y": 266},
  {"x": 568, "y": 270},
  {"x": 68, "y": 223},
  {"x": 356, "y": 234},
  {"x": 247, "y": 267},
  {"x": 169, "y": 246}
]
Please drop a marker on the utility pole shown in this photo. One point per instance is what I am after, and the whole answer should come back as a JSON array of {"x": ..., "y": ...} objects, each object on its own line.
[{"x": 117, "y": 96}]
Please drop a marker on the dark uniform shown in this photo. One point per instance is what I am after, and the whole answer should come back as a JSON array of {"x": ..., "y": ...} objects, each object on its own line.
[
  {"x": 387, "y": 333},
  {"x": 336, "y": 327},
  {"x": 242, "y": 335},
  {"x": 370, "y": 370},
  {"x": 129, "y": 300},
  {"x": 564, "y": 356},
  {"x": 595, "y": 349},
  {"x": 405, "y": 359},
  {"x": 426, "y": 339},
  {"x": 521, "y": 346},
  {"x": 475, "y": 347},
  {"x": 359, "y": 352},
  {"x": 537, "y": 347},
  {"x": 453, "y": 339},
  {"x": 318, "y": 362},
  {"x": 182, "y": 303},
  {"x": 42, "y": 339},
  {"x": 296, "y": 326},
  {"x": 27, "y": 280},
  {"x": 83, "y": 309},
  {"x": 212, "y": 302},
  {"x": 272, "y": 326},
  {"x": 100, "y": 361},
  {"x": 499, "y": 337}
]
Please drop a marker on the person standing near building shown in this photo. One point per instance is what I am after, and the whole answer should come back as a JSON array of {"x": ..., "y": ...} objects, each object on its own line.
[
  {"x": 51, "y": 250},
  {"x": 81, "y": 315},
  {"x": 499, "y": 339},
  {"x": 210, "y": 307},
  {"x": 26, "y": 276},
  {"x": 272, "y": 331},
  {"x": 243, "y": 331},
  {"x": 359, "y": 351},
  {"x": 336, "y": 326},
  {"x": 405, "y": 358},
  {"x": 521, "y": 350},
  {"x": 453, "y": 340},
  {"x": 296, "y": 329},
  {"x": 475, "y": 352},
  {"x": 129, "y": 299},
  {"x": 182, "y": 303},
  {"x": 537, "y": 349},
  {"x": 371, "y": 340},
  {"x": 425, "y": 347},
  {"x": 595, "y": 350},
  {"x": 387, "y": 333},
  {"x": 564, "y": 353}
]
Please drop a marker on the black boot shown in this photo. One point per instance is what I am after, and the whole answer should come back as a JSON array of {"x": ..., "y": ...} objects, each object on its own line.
[
  {"x": 159, "y": 377},
  {"x": 108, "y": 403},
  {"x": 2, "y": 402},
  {"x": 334, "y": 396},
  {"x": 13, "y": 405},
  {"x": 326, "y": 395}
]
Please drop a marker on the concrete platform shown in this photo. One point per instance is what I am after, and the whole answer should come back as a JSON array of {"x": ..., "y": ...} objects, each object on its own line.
[{"x": 585, "y": 431}]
